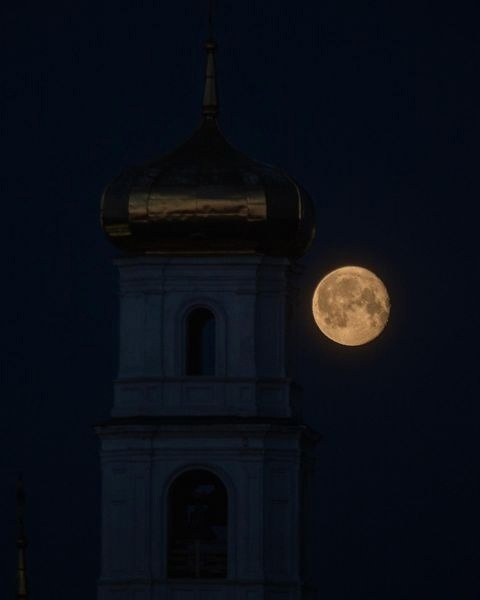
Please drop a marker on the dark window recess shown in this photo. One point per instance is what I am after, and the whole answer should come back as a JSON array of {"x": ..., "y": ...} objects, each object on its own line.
[
  {"x": 198, "y": 516},
  {"x": 200, "y": 343}
]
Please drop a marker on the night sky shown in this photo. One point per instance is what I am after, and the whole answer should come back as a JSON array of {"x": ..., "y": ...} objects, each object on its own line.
[{"x": 373, "y": 107}]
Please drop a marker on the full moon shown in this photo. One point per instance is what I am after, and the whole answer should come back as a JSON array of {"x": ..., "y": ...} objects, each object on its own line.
[{"x": 351, "y": 306}]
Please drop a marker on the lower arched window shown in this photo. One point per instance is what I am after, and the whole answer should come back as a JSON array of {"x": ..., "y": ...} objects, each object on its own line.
[{"x": 197, "y": 525}]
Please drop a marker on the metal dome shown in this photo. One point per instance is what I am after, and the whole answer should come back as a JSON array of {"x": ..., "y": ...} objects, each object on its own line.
[{"x": 207, "y": 197}]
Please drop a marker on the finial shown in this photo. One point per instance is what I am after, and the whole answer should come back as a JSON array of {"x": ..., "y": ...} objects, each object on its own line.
[
  {"x": 210, "y": 96},
  {"x": 21, "y": 583}
]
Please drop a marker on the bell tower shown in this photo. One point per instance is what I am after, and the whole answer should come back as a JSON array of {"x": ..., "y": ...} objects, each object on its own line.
[{"x": 206, "y": 465}]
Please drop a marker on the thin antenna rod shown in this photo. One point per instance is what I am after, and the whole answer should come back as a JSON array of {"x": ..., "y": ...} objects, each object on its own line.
[{"x": 22, "y": 587}]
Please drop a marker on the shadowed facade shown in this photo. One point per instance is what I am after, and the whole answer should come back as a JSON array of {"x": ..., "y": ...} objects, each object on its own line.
[{"x": 206, "y": 465}]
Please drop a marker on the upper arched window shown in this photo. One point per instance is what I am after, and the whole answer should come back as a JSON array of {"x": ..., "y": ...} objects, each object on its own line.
[
  {"x": 200, "y": 342},
  {"x": 197, "y": 526}
]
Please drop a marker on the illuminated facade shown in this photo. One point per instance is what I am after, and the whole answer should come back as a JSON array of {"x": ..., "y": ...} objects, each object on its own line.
[{"x": 206, "y": 466}]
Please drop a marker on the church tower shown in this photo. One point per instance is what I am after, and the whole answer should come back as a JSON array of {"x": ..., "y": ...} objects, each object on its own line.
[{"x": 206, "y": 466}]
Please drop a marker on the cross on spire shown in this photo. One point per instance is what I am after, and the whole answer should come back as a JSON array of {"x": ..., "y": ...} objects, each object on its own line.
[{"x": 210, "y": 19}]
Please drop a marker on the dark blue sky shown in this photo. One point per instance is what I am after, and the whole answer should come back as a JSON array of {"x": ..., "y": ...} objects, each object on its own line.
[{"x": 374, "y": 109}]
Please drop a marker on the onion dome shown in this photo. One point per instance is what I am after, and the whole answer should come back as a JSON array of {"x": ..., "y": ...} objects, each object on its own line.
[{"x": 207, "y": 197}]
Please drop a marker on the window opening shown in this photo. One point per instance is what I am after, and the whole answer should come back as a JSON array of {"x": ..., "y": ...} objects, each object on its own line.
[
  {"x": 198, "y": 514},
  {"x": 200, "y": 347}
]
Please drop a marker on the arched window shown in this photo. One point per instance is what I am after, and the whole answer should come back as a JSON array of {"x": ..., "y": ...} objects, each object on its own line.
[
  {"x": 200, "y": 346},
  {"x": 197, "y": 525}
]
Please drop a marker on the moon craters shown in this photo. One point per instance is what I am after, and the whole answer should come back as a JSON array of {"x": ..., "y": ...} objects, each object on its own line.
[{"x": 351, "y": 305}]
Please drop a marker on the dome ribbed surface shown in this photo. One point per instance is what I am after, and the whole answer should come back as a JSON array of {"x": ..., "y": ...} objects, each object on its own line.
[{"x": 207, "y": 197}]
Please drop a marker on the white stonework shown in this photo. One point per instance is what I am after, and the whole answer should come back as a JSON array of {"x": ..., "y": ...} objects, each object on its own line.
[
  {"x": 241, "y": 424},
  {"x": 264, "y": 468},
  {"x": 251, "y": 298}
]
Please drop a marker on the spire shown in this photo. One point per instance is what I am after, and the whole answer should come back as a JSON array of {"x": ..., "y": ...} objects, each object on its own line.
[
  {"x": 21, "y": 586},
  {"x": 210, "y": 101},
  {"x": 210, "y": 96}
]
